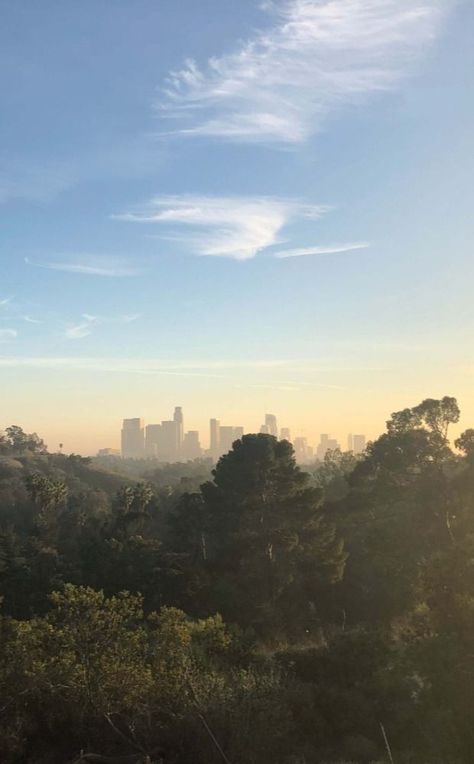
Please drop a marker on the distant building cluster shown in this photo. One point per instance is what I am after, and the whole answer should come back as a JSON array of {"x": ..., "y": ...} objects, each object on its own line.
[
  {"x": 168, "y": 442},
  {"x": 222, "y": 437}
]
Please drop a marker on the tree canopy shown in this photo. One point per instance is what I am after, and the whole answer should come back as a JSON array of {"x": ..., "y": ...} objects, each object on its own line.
[{"x": 258, "y": 613}]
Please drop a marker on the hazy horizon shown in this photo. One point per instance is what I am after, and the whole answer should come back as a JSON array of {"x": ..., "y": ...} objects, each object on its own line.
[{"x": 105, "y": 433}]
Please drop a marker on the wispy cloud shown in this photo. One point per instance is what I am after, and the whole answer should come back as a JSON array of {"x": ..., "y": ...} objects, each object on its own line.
[
  {"x": 333, "y": 249},
  {"x": 236, "y": 227},
  {"x": 91, "y": 265},
  {"x": 81, "y": 330},
  {"x": 86, "y": 326},
  {"x": 30, "y": 320},
  {"x": 8, "y": 334},
  {"x": 5, "y": 301},
  {"x": 318, "y": 56},
  {"x": 223, "y": 368}
]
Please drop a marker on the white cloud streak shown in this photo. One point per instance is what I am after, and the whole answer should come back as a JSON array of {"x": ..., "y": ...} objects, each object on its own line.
[
  {"x": 30, "y": 320},
  {"x": 333, "y": 249},
  {"x": 91, "y": 265},
  {"x": 85, "y": 328},
  {"x": 224, "y": 368},
  {"x": 8, "y": 334},
  {"x": 5, "y": 301},
  {"x": 81, "y": 330},
  {"x": 235, "y": 227},
  {"x": 319, "y": 56}
]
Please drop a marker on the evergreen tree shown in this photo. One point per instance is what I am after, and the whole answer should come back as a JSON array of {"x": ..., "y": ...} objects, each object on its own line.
[{"x": 270, "y": 550}]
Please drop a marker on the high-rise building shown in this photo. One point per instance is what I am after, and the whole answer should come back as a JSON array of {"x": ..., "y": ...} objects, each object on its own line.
[
  {"x": 133, "y": 439},
  {"x": 350, "y": 442},
  {"x": 152, "y": 440},
  {"x": 359, "y": 444},
  {"x": 302, "y": 451},
  {"x": 271, "y": 423},
  {"x": 169, "y": 446},
  {"x": 214, "y": 446},
  {"x": 326, "y": 444},
  {"x": 178, "y": 419},
  {"x": 285, "y": 434},
  {"x": 227, "y": 436},
  {"x": 191, "y": 448},
  {"x": 264, "y": 430}
]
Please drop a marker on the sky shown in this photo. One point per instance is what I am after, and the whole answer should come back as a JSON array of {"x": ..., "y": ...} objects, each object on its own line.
[{"x": 238, "y": 208}]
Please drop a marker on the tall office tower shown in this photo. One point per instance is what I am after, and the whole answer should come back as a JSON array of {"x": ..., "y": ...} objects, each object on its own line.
[
  {"x": 178, "y": 418},
  {"x": 301, "y": 449},
  {"x": 227, "y": 435},
  {"x": 226, "y": 438},
  {"x": 191, "y": 448},
  {"x": 350, "y": 442},
  {"x": 133, "y": 439},
  {"x": 152, "y": 440},
  {"x": 285, "y": 434},
  {"x": 359, "y": 443},
  {"x": 214, "y": 446},
  {"x": 264, "y": 430},
  {"x": 169, "y": 447},
  {"x": 271, "y": 422},
  {"x": 326, "y": 444}
]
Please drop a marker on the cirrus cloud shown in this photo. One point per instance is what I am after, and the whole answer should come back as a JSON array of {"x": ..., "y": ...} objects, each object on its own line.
[
  {"x": 90, "y": 265},
  {"x": 318, "y": 56},
  {"x": 8, "y": 334},
  {"x": 235, "y": 227},
  {"x": 88, "y": 322},
  {"x": 332, "y": 249}
]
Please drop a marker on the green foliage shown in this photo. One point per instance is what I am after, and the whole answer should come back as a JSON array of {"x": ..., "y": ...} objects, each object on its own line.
[
  {"x": 332, "y": 474},
  {"x": 18, "y": 441},
  {"x": 265, "y": 616},
  {"x": 270, "y": 550},
  {"x": 465, "y": 443},
  {"x": 434, "y": 415}
]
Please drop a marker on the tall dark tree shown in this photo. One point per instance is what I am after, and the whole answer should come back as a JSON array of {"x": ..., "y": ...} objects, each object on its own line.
[
  {"x": 20, "y": 441},
  {"x": 399, "y": 509},
  {"x": 268, "y": 545}
]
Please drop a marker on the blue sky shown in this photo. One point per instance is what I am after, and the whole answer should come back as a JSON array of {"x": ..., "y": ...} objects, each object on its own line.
[{"x": 235, "y": 207}]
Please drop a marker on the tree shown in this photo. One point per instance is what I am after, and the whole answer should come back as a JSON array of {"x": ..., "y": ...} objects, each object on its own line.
[
  {"x": 48, "y": 494},
  {"x": 399, "y": 509},
  {"x": 132, "y": 502},
  {"x": 434, "y": 415},
  {"x": 465, "y": 443},
  {"x": 332, "y": 474},
  {"x": 270, "y": 551},
  {"x": 20, "y": 441}
]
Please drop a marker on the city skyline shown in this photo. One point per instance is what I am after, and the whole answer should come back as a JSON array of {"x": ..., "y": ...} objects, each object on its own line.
[
  {"x": 170, "y": 442},
  {"x": 172, "y": 232},
  {"x": 311, "y": 428}
]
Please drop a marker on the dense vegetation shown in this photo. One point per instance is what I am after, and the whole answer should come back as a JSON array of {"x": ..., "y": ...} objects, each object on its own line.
[{"x": 259, "y": 614}]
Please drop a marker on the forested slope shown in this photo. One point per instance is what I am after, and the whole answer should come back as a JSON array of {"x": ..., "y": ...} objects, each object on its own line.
[{"x": 270, "y": 615}]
